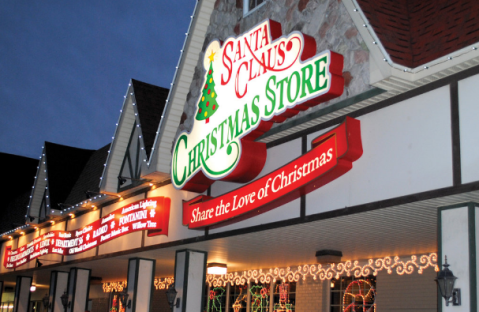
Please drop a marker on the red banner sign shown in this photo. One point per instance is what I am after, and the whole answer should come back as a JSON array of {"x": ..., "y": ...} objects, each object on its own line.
[
  {"x": 331, "y": 156},
  {"x": 150, "y": 214}
]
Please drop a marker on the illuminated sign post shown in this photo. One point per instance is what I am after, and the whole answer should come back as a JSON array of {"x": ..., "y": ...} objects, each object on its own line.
[
  {"x": 150, "y": 214},
  {"x": 251, "y": 82}
]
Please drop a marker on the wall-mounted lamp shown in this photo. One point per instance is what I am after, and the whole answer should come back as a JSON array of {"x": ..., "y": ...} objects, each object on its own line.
[
  {"x": 123, "y": 297},
  {"x": 66, "y": 304},
  {"x": 217, "y": 268},
  {"x": 171, "y": 295},
  {"x": 46, "y": 301},
  {"x": 445, "y": 281},
  {"x": 33, "y": 288}
]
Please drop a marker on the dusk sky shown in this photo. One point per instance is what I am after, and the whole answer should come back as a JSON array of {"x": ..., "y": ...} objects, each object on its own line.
[{"x": 65, "y": 66}]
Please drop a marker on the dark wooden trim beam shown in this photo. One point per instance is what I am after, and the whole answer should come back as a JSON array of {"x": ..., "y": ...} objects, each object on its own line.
[{"x": 455, "y": 134}]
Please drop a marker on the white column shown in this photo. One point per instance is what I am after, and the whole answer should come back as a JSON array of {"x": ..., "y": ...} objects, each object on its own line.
[
  {"x": 457, "y": 239},
  {"x": 22, "y": 294},
  {"x": 190, "y": 278},
  {"x": 141, "y": 274},
  {"x": 78, "y": 289},
  {"x": 58, "y": 286}
]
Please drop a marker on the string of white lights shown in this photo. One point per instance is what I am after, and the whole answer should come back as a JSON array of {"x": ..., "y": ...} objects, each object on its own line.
[
  {"x": 159, "y": 283},
  {"x": 173, "y": 82}
]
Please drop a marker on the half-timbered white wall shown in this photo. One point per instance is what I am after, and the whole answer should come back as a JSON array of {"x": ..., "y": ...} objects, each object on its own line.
[
  {"x": 406, "y": 149},
  {"x": 468, "y": 118}
]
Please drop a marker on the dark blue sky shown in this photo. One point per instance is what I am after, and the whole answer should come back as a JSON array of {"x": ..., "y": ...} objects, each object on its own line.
[{"x": 65, "y": 66}]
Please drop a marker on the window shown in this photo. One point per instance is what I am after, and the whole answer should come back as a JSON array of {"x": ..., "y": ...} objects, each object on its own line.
[
  {"x": 259, "y": 297},
  {"x": 350, "y": 294},
  {"x": 216, "y": 300},
  {"x": 249, "y": 5},
  {"x": 284, "y": 296},
  {"x": 238, "y": 298}
]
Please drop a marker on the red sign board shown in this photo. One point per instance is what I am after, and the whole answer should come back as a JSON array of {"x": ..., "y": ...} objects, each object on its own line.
[
  {"x": 331, "y": 156},
  {"x": 150, "y": 214}
]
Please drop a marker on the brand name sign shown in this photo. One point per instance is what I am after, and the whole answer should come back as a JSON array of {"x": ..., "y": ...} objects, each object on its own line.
[
  {"x": 151, "y": 214},
  {"x": 250, "y": 82},
  {"x": 331, "y": 156}
]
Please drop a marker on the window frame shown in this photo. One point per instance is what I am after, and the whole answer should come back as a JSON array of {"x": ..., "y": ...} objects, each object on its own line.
[
  {"x": 341, "y": 282},
  {"x": 247, "y": 10}
]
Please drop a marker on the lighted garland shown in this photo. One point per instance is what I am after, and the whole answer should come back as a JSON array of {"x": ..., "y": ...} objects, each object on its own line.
[
  {"x": 163, "y": 284},
  {"x": 114, "y": 286},
  {"x": 317, "y": 271},
  {"x": 159, "y": 283}
]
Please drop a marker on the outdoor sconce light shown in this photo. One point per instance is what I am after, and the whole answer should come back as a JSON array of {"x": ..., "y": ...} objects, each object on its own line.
[
  {"x": 216, "y": 268},
  {"x": 445, "y": 281},
  {"x": 66, "y": 304},
  {"x": 123, "y": 296},
  {"x": 45, "y": 301},
  {"x": 33, "y": 288},
  {"x": 171, "y": 295}
]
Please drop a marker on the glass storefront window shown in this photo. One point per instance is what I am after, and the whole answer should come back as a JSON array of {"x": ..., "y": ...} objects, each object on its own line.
[
  {"x": 238, "y": 298},
  {"x": 350, "y": 294},
  {"x": 216, "y": 300},
  {"x": 259, "y": 297},
  {"x": 284, "y": 297}
]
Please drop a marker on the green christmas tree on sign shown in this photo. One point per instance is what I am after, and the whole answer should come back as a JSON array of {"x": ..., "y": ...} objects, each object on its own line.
[{"x": 208, "y": 105}]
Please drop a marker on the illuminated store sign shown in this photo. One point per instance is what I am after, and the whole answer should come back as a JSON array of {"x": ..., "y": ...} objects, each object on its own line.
[
  {"x": 331, "y": 156},
  {"x": 250, "y": 82},
  {"x": 150, "y": 214}
]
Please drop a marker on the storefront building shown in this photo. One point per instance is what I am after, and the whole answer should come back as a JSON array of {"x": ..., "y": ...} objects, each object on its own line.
[{"x": 323, "y": 153}]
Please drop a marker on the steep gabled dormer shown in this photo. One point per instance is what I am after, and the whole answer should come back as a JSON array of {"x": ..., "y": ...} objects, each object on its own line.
[
  {"x": 57, "y": 173},
  {"x": 132, "y": 145}
]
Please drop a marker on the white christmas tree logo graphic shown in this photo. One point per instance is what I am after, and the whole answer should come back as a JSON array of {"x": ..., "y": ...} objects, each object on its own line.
[{"x": 208, "y": 104}]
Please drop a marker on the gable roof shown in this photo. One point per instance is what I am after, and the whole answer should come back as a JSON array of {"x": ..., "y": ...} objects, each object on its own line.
[
  {"x": 415, "y": 32},
  {"x": 20, "y": 181},
  {"x": 141, "y": 116},
  {"x": 150, "y": 101},
  {"x": 15, "y": 193},
  {"x": 64, "y": 165},
  {"x": 89, "y": 178}
]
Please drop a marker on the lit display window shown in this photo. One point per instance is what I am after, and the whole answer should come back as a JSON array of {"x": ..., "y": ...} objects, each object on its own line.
[
  {"x": 349, "y": 294},
  {"x": 238, "y": 298},
  {"x": 260, "y": 297},
  {"x": 284, "y": 296},
  {"x": 216, "y": 301}
]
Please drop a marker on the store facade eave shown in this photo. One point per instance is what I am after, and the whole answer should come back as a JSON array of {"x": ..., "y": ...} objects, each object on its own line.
[{"x": 404, "y": 229}]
